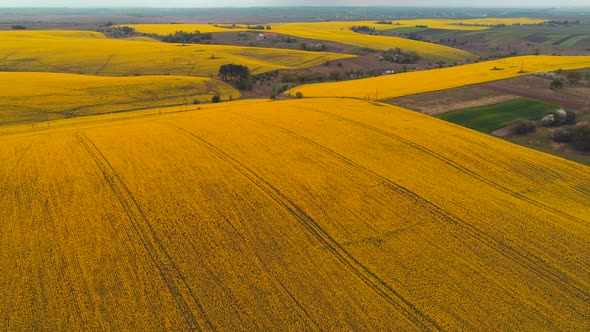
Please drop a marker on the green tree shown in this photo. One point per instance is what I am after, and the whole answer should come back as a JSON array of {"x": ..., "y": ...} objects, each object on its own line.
[
  {"x": 522, "y": 127},
  {"x": 556, "y": 84},
  {"x": 562, "y": 135},
  {"x": 581, "y": 137},
  {"x": 237, "y": 74}
]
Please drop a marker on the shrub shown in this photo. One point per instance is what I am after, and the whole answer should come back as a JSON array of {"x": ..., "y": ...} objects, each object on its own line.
[
  {"x": 572, "y": 82},
  {"x": 282, "y": 89},
  {"x": 216, "y": 98},
  {"x": 570, "y": 117},
  {"x": 558, "y": 118},
  {"x": 522, "y": 127},
  {"x": 581, "y": 136},
  {"x": 299, "y": 94},
  {"x": 196, "y": 101},
  {"x": 556, "y": 84},
  {"x": 546, "y": 75},
  {"x": 548, "y": 120},
  {"x": 334, "y": 75},
  {"x": 244, "y": 84},
  {"x": 562, "y": 135},
  {"x": 575, "y": 75}
]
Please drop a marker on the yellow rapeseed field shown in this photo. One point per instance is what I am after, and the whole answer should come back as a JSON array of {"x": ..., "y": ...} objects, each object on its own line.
[
  {"x": 337, "y": 32},
  {"x": 306, "y": 214},
  {"x": 470, "y": 24},
  {"x": 83, "y": 52},
  {"x": 457, "y": 24},
  {"x": 340, "y": 32},
  {"x": 34, "y": 97},
  {"x": 390, "y": 86},
  {"x": 166, "y": 29}
]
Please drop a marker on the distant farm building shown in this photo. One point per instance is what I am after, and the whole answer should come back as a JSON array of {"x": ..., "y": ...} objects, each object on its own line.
[{"x": 267, "y": 35}]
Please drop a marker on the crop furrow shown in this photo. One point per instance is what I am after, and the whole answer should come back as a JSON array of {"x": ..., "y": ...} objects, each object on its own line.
[
  {"x": 64, "y": 268},
  {"x": 472, "y": 231},
  {"x": 450, "y": 163},
  {"x": 270, "y": 273},
  {"x": 351, "y": 164},
  {"x": 167, "y": 268},
  {"x": 531, "y": 261},
  {"x": 383, "y": 289}
]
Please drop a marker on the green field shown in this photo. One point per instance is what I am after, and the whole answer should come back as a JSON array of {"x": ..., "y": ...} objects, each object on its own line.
[
  {"x": 489, "y": 118},
  {"x": 573, "y": 41}
]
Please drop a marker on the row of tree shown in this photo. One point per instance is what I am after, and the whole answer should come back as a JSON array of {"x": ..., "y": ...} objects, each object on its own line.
[
  {"x": 362, "y": 28},
  {"x": 187, "y": 37},
  {"x": 237, "y": 74},
  {"x": 117, "y": 32}
]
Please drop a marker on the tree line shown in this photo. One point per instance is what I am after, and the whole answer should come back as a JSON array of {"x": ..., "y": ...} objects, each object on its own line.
[
  {"x": 187, "y": 37},
  {"x": 237, "y": 74}
]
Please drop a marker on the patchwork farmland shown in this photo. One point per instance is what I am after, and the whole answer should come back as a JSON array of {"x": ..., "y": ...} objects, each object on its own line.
[{"x": 153, "y": 184}]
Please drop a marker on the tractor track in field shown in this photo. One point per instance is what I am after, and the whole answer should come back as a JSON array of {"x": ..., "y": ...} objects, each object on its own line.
[
  {"x": 104, "y": 65},
  {"x": 168, "y": 269},
  {"x": 351, "y": 164},
  {"x": 65, "y": 269},
  {"x": 474, "y": 232},
  {"x": 384, "y": 290},
  {"x": 270, "y": 274},
  {"x": 449, "y": 163},
  {"x": 534, "y": 264}
]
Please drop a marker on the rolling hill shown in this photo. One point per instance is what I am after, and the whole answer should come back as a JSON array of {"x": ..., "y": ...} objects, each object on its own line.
[
  {"x": 308, "y": 214},
  {"x": 403, "y": 84},
  {"x": 85, "y": 52},
  {"x": 35, "y": 97},
  {"x": 467, "y": 25},
  {"x": 336, "y": 32},
  {"x": 339, "y": 31}
]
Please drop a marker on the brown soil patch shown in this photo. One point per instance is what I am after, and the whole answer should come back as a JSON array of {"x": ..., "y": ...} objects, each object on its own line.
[
  {"x": 575, "y": 98},
  {"x": 503, "y": 132},
  {"x": 546, "y": 97},
  {"x": 435, "y": 103}
]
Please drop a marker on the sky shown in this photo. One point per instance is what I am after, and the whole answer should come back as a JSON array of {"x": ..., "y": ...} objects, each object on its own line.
[{"x": 263, "y": 3}]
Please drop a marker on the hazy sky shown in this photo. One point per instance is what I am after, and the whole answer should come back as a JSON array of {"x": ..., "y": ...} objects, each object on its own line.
[{"x": 261, "y": 3}]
